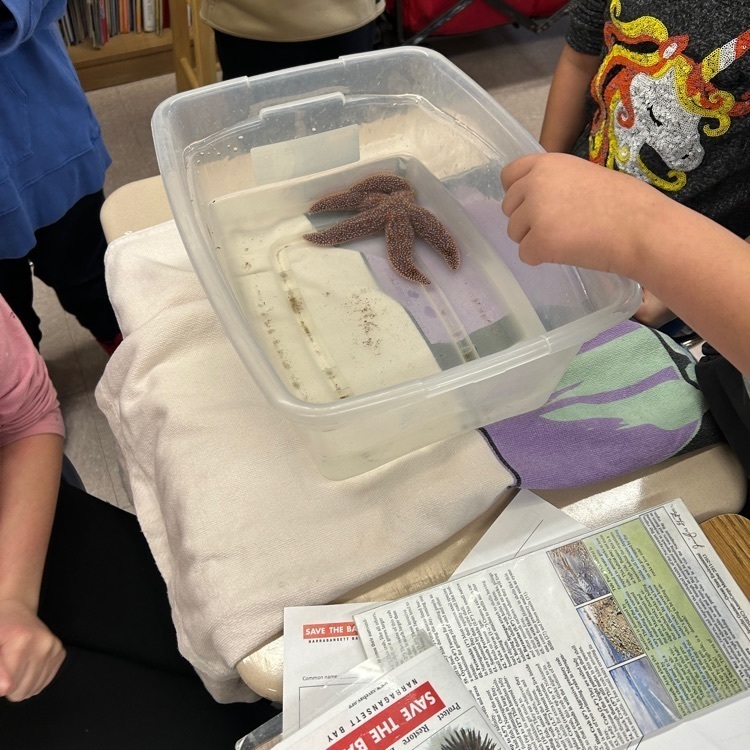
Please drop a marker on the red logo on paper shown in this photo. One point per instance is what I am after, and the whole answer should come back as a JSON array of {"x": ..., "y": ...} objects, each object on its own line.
[
  {"x": 329, "y": 630},
  {"x": 394, "y": 722}
]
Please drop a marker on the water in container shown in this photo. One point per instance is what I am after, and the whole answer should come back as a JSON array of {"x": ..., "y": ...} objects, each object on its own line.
[{"x": 339, "y": 321}]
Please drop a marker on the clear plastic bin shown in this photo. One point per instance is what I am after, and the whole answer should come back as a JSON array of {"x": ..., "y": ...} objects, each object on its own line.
[{"x": 369, "y": 365}]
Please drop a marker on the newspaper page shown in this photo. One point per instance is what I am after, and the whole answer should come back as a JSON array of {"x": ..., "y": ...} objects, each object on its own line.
[
  {"x": 592, "y": 643},
  {"x": 419, "y": 703}
]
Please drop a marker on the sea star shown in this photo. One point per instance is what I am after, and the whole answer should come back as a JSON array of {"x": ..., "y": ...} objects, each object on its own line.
[{"x": 386, "y": 201}]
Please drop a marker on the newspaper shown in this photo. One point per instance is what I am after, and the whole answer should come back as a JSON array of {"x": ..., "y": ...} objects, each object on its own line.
[
  {"x": 417, "y": 703},
  {"x": 592, "y": 643}
]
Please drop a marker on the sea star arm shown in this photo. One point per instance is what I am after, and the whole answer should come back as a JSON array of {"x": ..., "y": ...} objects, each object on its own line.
[
  {"x": 399, "y": 242},
  {"x": 427, "y": 226},
  {"x": 384, "y": 182},
  {"x": 361, "y": 225},
  {"x": 345, "y": 201},
  {"x": 364, "y": 194}
]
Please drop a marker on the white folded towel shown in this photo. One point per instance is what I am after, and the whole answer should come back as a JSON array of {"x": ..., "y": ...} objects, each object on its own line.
[{"x": 239, "y": 519}]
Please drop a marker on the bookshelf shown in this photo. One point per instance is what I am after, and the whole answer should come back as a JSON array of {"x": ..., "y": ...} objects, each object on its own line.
[{"x": 123, "y": 59}]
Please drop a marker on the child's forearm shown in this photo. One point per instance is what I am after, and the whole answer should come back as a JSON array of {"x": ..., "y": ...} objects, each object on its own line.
[
  {"x": 702, "y": 271},
  {"x": 29, "y": 481},
  {"x": 565, "y": 115}
]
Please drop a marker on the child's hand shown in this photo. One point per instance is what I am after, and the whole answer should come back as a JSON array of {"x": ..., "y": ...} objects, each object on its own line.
[
  {"x": 30, "y": 654},
  {"x": 563, "y": 209}
]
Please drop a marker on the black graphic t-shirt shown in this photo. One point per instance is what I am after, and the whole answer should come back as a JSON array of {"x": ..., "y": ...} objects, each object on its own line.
[{"x": 670, "y": 103}]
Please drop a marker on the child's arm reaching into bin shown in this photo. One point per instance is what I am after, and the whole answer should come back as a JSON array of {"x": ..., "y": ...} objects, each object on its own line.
[{"x": 563, "y": 209}]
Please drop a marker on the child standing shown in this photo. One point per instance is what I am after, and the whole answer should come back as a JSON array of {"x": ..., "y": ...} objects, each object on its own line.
[
  {"x": 260, "y": 36},
  {"x": 659, "y": 90},
  {"x": 52, "y": 167}
]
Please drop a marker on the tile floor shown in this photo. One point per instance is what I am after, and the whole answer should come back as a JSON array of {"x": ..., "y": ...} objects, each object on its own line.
[{"x": 514, "y": 65}]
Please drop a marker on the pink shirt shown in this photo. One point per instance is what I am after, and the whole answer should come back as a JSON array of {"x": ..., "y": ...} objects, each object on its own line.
[{"x": 28, "y": 400}]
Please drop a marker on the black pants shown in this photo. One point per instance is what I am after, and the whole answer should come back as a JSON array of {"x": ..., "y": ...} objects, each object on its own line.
[
  {"x": 250, "y": 57},
  {"x": 123, "y": 684},
  {"x": 69, "y": 258}
]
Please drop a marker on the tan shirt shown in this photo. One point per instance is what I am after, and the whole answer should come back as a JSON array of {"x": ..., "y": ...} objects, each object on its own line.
[{"x": 289, "y": 20}]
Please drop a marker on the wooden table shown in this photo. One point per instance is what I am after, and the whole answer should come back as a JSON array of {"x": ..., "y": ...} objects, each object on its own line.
[{"x": 729, "y": 534}]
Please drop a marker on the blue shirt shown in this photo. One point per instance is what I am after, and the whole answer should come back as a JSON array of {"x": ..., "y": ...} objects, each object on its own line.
[{"x": 51, "y": 148}]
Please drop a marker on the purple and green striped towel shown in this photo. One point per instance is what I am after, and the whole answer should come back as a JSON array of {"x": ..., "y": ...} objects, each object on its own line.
[{"x": 629, "y": 400}]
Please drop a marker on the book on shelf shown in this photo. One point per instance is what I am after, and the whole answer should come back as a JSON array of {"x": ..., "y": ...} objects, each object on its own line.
[
  {"x": 149, "y": 15},
  {"x": 100, "y": 20}
]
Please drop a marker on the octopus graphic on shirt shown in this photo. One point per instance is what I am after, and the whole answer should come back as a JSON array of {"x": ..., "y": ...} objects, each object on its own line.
[{"x": 649, "y": 93}]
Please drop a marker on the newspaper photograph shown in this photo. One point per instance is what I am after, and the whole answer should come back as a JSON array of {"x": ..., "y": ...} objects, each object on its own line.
[
  {"x": 420, "y": 703},
  {"x": 593, "y": 643}
]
